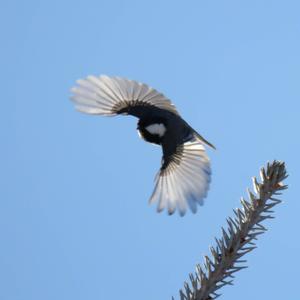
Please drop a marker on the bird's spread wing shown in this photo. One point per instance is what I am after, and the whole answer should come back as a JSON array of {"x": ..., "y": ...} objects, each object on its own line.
[
  {"x": 109, "y": 96},
  {"x": 183, "y": 179}
]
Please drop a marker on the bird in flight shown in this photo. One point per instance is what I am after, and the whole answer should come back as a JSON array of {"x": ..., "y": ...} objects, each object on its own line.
[{"x": 184, "y": 176}]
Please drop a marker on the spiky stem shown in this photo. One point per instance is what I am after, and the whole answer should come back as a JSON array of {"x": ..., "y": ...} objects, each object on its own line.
[{"x": 239, "y": 238}]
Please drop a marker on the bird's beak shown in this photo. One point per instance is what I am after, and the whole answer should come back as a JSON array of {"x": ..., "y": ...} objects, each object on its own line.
[{"x": 205, "y": 141}]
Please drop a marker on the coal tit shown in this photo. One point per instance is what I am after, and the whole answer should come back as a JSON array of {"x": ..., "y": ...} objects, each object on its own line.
[{"x": 184, "y": 176}]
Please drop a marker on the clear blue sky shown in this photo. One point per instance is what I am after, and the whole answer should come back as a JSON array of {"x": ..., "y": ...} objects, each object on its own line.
[{"x": 74, "y": 218}]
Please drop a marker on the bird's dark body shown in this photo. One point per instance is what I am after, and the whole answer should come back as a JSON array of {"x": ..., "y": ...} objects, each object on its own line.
[{"x": 177, "y": 130}]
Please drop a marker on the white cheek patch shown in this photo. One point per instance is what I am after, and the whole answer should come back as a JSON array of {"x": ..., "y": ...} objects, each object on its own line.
[{"x": 158, "y": 129}]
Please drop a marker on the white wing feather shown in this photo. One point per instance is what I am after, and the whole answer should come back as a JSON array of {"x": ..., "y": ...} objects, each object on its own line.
[
  {"x": 185, "y": 184},
  {"x": 101, "y": 95}
]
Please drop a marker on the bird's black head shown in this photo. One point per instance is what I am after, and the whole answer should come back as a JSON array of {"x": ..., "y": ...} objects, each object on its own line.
[{"x": 152, "y": 129}]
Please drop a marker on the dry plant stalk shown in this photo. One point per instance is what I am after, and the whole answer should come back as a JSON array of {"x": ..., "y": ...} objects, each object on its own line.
[{"x": 239, "y": 238}]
